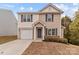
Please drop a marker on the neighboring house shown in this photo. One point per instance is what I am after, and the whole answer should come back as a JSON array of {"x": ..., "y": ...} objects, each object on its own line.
[
  {"x": 8, "y": 23},
  {"x": 37, "y": 25}
]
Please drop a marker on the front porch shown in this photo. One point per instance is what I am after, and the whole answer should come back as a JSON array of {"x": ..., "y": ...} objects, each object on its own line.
[{"x": 38, "y": 31}]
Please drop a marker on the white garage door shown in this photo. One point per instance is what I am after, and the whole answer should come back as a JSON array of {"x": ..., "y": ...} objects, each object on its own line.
[{"x": 26, "y": 34}]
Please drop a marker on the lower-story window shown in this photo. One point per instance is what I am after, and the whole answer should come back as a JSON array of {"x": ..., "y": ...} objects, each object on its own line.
[
  {"x": 49, "y": 31},
  {"x": 52, "y": 31}
]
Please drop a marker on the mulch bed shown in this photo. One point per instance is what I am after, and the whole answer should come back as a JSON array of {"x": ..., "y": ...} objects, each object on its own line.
[{"x": 51, "y": 48}]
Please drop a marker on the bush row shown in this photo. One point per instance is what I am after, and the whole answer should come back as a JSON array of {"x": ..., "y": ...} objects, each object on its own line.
[
  {"x": 55, "y": 39},
  {"x": 74, "y": 41}
]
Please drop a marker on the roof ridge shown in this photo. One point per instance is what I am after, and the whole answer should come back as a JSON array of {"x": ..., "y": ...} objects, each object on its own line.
[{"x": 50, "y": 4}]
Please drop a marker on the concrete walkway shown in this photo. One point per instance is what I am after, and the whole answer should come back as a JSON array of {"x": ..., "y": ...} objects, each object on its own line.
[{"x": 15, "y": 47}]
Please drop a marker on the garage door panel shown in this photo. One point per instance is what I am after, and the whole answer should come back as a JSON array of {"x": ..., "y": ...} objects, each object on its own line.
[{"x": 26, "y": 34}]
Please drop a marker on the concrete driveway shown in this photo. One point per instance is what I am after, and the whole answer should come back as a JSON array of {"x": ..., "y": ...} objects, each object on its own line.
[{"x": 15, "y": 47}]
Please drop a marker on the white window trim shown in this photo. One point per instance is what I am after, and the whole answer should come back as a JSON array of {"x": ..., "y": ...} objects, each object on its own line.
[
  {"x": 51, "y": 31},
  {"x": 30, "y": 17},
  {"x": 25, "y": 17},
  {"x": 48, "y": 31},
  {"x": 48, "y": 17}
]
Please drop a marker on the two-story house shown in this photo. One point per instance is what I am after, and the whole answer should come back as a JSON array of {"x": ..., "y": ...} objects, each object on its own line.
[{"x": 37, "y": 25}]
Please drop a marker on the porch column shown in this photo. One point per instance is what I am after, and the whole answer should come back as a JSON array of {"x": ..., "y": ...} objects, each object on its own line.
[
  {"x": 34, "y": 33},
  {"x": 43, "y": 33}
]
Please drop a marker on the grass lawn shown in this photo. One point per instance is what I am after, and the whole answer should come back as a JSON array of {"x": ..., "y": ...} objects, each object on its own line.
[
  {"x": 4, "y": 39},
  {"x": 51, "y": 48}
]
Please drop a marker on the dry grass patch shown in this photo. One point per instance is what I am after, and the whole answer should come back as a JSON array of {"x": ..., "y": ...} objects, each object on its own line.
[
  {"x": 51, "y": 48},
  {"x": 4, "y": 39}
]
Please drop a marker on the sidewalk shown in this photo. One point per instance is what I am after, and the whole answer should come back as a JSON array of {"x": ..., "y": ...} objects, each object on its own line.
[{"x": 15, "y": 47}]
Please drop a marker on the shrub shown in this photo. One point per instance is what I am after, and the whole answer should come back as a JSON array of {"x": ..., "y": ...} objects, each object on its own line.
[
  {"x": 55, "y": 39},
  {"x": 74, "y": 41}
]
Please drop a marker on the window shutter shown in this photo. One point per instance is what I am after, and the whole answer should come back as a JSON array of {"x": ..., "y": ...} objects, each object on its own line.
[
  {"x": 31, "y": 17},
  {"x": 21, "y": 18},
  {"x": 53, "y": 31},
  {"x": 52, "y": 17},
  {"x": 56, "y": 31},
  {"x": 46, "y": 17}
]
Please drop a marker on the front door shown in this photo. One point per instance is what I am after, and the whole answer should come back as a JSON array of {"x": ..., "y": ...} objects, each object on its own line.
[{"x": 39, "y": 32}]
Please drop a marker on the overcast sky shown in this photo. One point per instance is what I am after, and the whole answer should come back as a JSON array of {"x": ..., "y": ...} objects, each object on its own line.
[{"x": 68, "y": 8}]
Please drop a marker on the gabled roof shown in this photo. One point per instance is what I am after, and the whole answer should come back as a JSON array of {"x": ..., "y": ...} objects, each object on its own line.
[
  {"x": 39, "y": 22},
  {"x": 39, "y": 12},
  {"x": 53, "y": 6}
]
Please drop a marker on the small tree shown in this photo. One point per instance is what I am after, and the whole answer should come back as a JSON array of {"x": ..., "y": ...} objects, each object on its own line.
[
  {"x": 67, "y": 33},
  {"x": 65, "y": 21},
  {"x": 74, "y": 28}
]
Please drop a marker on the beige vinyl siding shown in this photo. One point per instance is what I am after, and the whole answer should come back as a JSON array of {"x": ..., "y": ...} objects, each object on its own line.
[
  {"x": 55, "y": 24},
  {"x": 56, "y": 20},
  {"x": 49, "y": 9},
  {"x": 35, "y": 17}
]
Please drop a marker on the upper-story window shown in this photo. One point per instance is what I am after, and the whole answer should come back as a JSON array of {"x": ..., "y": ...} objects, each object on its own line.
[
  {"x": 49, "y": 17},
  {"x": 26, "y": 18},
  {"x": 23, "y": 18},
  {"x": 29, "y": 18}
]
